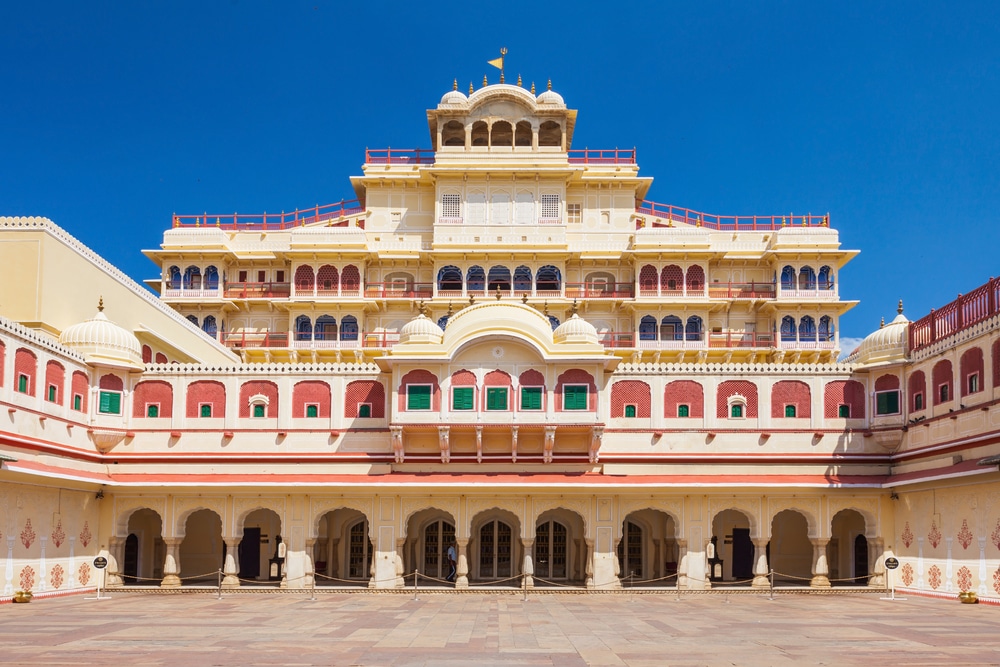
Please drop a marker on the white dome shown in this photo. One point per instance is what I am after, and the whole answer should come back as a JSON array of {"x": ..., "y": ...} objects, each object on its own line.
[
  {"x": 886, "y": 344},
  {"x": 551, "y": 97},
  {"x": 454, "y": 97},
  {"x": 420, "y": 330},
  {"x": 575, "y": 330},
  {"x": 103, "y": 342}
]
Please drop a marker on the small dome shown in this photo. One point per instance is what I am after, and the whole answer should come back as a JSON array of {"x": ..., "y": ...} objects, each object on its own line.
[
  {"x": 551, "y": 97},
  {"x": 102, "y": 342},
  {"x": 885, "y": 344},
  {"x": 454, "y": 97},
  {"x": 420, "y": 330},
  {"x": 575, "y": 330}
]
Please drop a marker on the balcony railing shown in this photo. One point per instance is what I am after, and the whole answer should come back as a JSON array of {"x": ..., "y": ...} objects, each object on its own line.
[
  {"x": 274, "y": 221},
  {"x": 607, "y": 156},
  {"x": 677, "y": 214},
  {"x": 751, "y": 290},
  {"x": 270, "y": 339},
  {"x": 191, "y": 293},
  {"x": 825, "y": 342},
  {"x": 399, "y": 291},
  {"x": 740, "y": 339},
  {"x": 728, "y": 339},
  {"x": 967, "y": 310},
  {"x": 599, "y": 290},
  {"x": 399, "y": 156},
  {"x": 821, "y": 291},
  {"x": 258, "y": 290},
  {"x": 339, "y": 291},
  {"x": 253, "y": 339}
]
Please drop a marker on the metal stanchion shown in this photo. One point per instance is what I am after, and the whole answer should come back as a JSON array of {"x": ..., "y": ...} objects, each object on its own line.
[
  {"x": 416, "y": 582},
  {"x": 524, "y": 585},
  {"x": 312, "y": 587},
  {"x": 771, "y": 580},
  {"x": 219, "y": 572}
]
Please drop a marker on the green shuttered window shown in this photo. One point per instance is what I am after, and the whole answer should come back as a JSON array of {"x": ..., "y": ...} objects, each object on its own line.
[
  {"x": 575, "y": 397},
  {"x": 531, "y": 398},
  {"x": 461, "y": 398},
  {"x": 110, "y": 403},
  {"x": 496, "y": 398},
  {"x": 418, "y": 397}
]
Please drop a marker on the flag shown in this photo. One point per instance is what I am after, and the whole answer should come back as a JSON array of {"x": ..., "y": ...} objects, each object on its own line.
[{"x": 496, "y": 62}]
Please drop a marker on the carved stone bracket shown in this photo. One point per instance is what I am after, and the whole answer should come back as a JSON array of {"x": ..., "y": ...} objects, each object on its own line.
[
  {"x": 105, "y": 440},
  {"x": 397, "y": 442},
  {"x": 445, "y": 444},
  {"x": 596, "y": 437},
  {"x": 479, "y": 444},
  {"x": 550, "y": 443},
  {"x": 513, "y": 444}
]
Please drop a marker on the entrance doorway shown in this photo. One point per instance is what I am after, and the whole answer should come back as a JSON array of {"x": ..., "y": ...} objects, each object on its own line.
[
  {"x": 494, "y": 550},
  {"x": 742, "y": 554},
  {"x": 249, "y": 553},
  {"x": 550, "y": 550},
  {"x": 130, "y": 568},
  {"x": 438, "y": 536}
]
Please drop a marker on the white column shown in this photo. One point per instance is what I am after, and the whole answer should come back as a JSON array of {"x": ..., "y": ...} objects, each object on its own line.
[
  {"x": 761, "y": 571},
  {"x": 528, "y": 568},
  {"x": 820, "y": 570},
  {"x": 462, "y": 571},
  {"x": 231, "y": 566},
  {"x": 171, "y": 564}
]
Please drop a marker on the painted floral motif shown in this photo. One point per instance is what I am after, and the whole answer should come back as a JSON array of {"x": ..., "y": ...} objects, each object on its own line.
[
  {"x": 907, "y": 535},
  {"x": 996, "y": 580},
  {"x": 965, "y": 535},
  {"x": 964, "y": 579},
  {"x": 56, "y": 577},
  {"x": 934, "y": 576},
  {"x": 84, "y": 573},
  {"x": 934, "y": 535},
  {"x": 85, "y": 534},
  {"x": 907, "y": 574},
  {"x": 58, "y": 534},
  {"x": 27, "y": 535},
  {"x": 27, "y": 578},
  {"x": 996, "y": 535}
]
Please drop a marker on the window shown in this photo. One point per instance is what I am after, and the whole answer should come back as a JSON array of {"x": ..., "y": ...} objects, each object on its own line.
[
  {"x": 77, "y": 402},
  {"x": 110, "y": 403},
  {"x": 262, "y": 276},
  {"x": 242, "y": 276},
  {"x": 259, "y": 410},
  {"x": 575, "y": 397},
  {"x": 736, "y": 411},
  {"x": 974, "y": 383},
  {"x": 418, "y": 397},
  {"x": 789, "y": 410},
  {"x": 550, "y": 206},
  {"x": 312, "y": 411},
  {"x": 944, "y": 391},
  {"x": 630, "y": 411},
  {"x": 574, "y": 213},
  {"x": 683, "y": 410},
  {"x": 153, "y": 410},
  {"x": 531, "y": 398},
  {"x": 22, "y": 383},
  {"x": 496, "y": 398},
  {"x": 844, "y": 411},
  {"x": 364, "y": 410},
  {"x": 205, "y": 410},
  {"x": 279, "y": 276},
  {"x": 887, "y": 402},
  {"x": 52, "y": 393},
  {"x": 451, "y": 206},
  {"x": 461, "y": 398},
  {"x": 918, "y": 401}
]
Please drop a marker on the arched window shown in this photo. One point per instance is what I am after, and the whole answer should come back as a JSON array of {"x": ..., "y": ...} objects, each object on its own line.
[
  {"x": 548, "y": 279},
  {"x": 192, "y": 278},
  {"x": 193, "y": 319},
  {"x": 693, "y": 328},
  {"x": 350, "y": 280},
  {"x": 360, "y": 552},
  {"x": 826, "y": 328},
  {"x": 443, "y": 322},
  {"x": 788, "y": 328},
  {"x": 209, "y": 326},
  {"x": 305, "y": 279},
  {"x": 695, "y": 279},
  {"x": 501, "y": 134},
  {"x": 475, "y": 279},
  {"x": 480, "y": 133},
  {"x": 211, "y": 278},
  {"x": 303, "y": 328},
  {"x": 349, "y": 328},
  {"x": 554, "y": 321},
  {"x": 450, "y": 279},
  {"x": 807, "y": 278},
  {"x": 550, "y": 134},
  {"x": 522, "y": 134},
  {"x": 671, "y": 328},
  {"x": 326, "y": 328},
  {"x": 174, "y": 281},
  {"x": 825, "y": 278},
  {"x": 328, "y": 280},
  {"x": 671, "y": 278},
  {"x": 788, "y": 278},
  {"x": 499, "y": 279},
  {"x": 647, "y": 328},
  {"x": 522, "y": 279},
  {"x": 453, "y": 133},
  {"x": 807, "y": 329},
  {"x": 647, "y": 279}
]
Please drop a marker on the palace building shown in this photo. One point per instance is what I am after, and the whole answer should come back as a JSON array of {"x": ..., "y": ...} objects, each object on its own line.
[{"x": 500, "y": 343}]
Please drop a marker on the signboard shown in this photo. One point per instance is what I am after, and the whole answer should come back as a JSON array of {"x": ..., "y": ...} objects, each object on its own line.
[
  {"x": 891, "y": 563},
  {"x": 100, "y": 562}
]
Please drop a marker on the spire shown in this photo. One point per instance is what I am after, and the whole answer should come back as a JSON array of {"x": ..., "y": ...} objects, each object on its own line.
[
  {"x": 485, "y": 82},
  {"x": 454, "y": 85},
  {"x": 471, "y": 89},
  {"x": 100, "y": 305},
  {"x": 899, "y": 308},
  {"x": 881, "y": 325},
  {"x": 550, "y": 84},
  {"x": 532, "y": 87},
  {"x": 519, "y": 81}
]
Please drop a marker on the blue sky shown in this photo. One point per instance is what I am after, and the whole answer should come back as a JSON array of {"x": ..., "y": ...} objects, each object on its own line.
[{"x": 116, "y": 115}]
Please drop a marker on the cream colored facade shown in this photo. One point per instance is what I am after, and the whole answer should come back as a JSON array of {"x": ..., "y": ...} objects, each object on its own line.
[{"x": 501, "y": 343}]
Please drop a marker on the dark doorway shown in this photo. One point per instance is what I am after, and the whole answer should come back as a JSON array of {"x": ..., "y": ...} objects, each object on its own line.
[
  {"x": 249, "y": 552},
  {"x": 860, "y": 560},
  {"x": 742, "y": 554},
  {"x": 130, "y": 568}
]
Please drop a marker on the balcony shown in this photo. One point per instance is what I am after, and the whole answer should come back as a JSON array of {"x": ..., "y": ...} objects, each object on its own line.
[
  {"x": 253, "y": 339},
  {"x": 399, "y": 290},
  {"x": 740, "y": 339},
  {"x": 660, "y": 293},
  {"x": 823, "y": 290},
  {"x": 751, "y": 290},
  {"x": 613, "y": 156},
  {"x": 273, "y": 221},
  {"x": 328, "y": 292},
  {"x": 191, "y": 293},
  {"x": 671, "y": 215},
  {"x": 600, "y": 290},
  {"x": 399, "y": 156},
  {"x": 823, "y": 342},
  {"x": 378, "y": 340},
  {"x": 258, "y": 290}
]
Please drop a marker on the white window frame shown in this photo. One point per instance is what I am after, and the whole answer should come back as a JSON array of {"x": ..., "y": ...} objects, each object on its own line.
[
  {"x": 968, "y": 383},
  {"x": 635, "y": 409},
  {"x": 541, "y": 392},
  {"x": 451, "y": 206},
  {"x": 586, "y": 388},
  {"x": 146, "y": 412},
  {"x": 358, "y": 410},
  {"x": 430, "y": 406},
  {"x": 550, "y": 206},
  {"x": 574, "y": 212},
  {"x": 899, "y": 406},
  {"x": 736, "y": 399}
]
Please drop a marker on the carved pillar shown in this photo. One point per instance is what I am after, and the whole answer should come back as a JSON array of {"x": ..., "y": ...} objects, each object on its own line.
[
  {"x": 528, "y": 568},
  {"x": 682, "y": 563},
  {"x": 462, "y": 570},
  {"x": 876, "y": 562},
  {"x": 400, "y": 546},
  {"x": 333, "y": 562},
  {"x": 231, "y": 566},
  {"x": 760, "y": 566},
  {"x": 590, "y": 564},
  {"x": 309, "y": 578},
  {"x": 171, "y": 564},
  {"x": 820, "y": 568},
  {"x": 113, "y": 573}
]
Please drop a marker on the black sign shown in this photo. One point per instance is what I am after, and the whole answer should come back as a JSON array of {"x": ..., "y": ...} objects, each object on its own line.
[
  {"x": 891, "y": 563},
  {"x": 100, "y": 562}
]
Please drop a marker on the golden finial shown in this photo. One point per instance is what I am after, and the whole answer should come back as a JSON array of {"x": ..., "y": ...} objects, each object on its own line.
[
  {"x": 422, "y": 308},
  {"x": 472, "y": 299},
  {"x": 454, "y": 84},
  {"x": 499, "y": 293},
  {"x": 471, "y": 89},
  {"x": 881, "y": 325},
  {"x": 532, "y": 87},
  {"x": 524, "y": 299},
  {"x": 899, "y": 308},
  {"x": 485, "y": 83},
  {"x": 573, "y": 309},
  {"x": 449, "y": 309},
  {"x": 545, "y": 307},
  {"x": 519, "y": 81},
  {"x": 100, "y": 305}
]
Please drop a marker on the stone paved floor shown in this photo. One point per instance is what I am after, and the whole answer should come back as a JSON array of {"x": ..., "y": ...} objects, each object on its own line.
[{"x": 443, "y": 630}]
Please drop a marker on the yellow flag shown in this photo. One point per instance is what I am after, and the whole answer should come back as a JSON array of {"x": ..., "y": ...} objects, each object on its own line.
[{"x": 496, "y": 62}]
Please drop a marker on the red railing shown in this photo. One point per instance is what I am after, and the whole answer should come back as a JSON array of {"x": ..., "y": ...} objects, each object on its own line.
[
  {"x": 967, "y": 310},
  {"x": 740, "y": 339},
  {"x": 595, "y": 156},
  {"x": 274, "y": 221},
  {"x": 751, "y": 290},
  {"x": 677, "y": 214},
  {"x": 252, "y": 339},
  {"x": 258, "y": 290},
  {"x": 379, "y": 339},
  {"x": 399, "y": 156},
  {"x": 737, "y": 339},
  {"x": 392, "y": 291},
  {"x": 599, "y": 290}
]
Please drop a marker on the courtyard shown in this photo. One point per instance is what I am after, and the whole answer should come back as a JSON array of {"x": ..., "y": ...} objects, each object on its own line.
[{"x": 444, "y": 629}]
